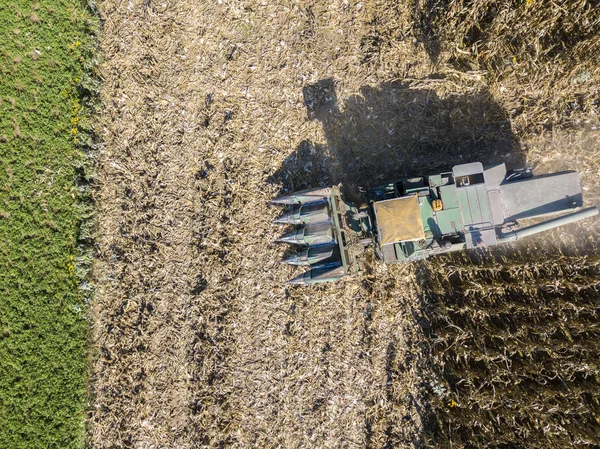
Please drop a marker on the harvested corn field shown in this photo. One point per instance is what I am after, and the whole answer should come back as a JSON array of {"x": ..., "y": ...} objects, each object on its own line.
[{"x": 212, "y": 109}]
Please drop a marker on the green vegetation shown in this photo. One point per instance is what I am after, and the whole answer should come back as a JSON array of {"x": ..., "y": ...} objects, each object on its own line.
[{"x": 44, "y": 64}]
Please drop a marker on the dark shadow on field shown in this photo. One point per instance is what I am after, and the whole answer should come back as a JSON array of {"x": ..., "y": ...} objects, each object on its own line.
[
  {"x": 424, "y": 15},
  {"x": 393, "y": 130},
  {"x": 430, "y": 23}
]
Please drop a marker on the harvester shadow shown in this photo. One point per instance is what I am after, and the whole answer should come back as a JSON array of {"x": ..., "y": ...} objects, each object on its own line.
[{"x": 394, "y": 130}]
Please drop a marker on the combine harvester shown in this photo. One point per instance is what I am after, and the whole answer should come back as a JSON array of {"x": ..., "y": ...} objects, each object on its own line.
[{"x": 413, "y": 218}]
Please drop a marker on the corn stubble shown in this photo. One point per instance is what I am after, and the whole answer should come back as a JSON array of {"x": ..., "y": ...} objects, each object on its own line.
[
  {"x": 514, "y": 346},
  {"x": 199, "y": 344}
]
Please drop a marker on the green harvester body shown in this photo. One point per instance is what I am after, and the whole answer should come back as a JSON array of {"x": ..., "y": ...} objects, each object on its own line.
[{"x": 412, "y": 218}]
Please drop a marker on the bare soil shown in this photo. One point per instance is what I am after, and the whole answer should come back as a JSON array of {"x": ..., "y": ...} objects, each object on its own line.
[{"x": 211, "y": 109}]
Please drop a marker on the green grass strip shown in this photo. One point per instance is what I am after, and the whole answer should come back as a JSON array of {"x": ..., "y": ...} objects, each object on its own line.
[{"x": 45, "y": 49}]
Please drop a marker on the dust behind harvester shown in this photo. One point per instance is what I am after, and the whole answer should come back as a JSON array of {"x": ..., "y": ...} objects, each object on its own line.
[{"x": 413, "y": 218}]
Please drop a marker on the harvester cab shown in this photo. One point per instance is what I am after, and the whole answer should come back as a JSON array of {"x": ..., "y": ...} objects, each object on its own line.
[{"x": 412, "y": 218}]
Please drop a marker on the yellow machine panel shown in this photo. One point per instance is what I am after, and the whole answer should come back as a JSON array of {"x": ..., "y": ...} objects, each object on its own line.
[{"x": 399, "y": 220}]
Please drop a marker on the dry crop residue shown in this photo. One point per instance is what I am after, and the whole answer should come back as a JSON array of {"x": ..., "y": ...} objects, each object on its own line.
[
  {"x": 214, "y": 108},
  {"x": 200, "y": 344}
]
